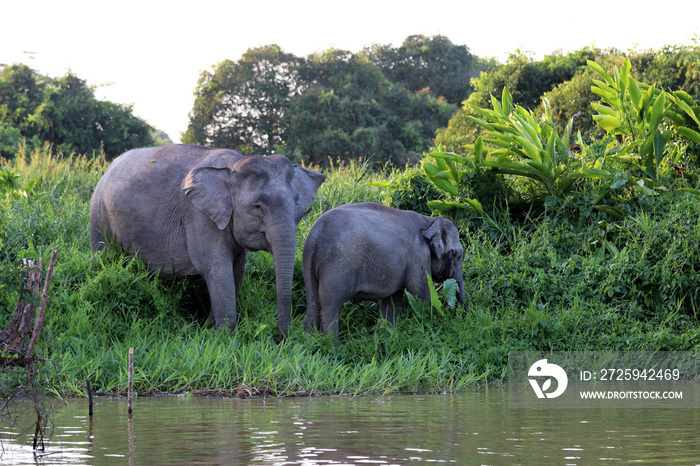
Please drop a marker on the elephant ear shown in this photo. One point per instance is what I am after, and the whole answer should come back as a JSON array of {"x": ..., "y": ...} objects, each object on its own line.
[
  {"x": 208, "y": 190},
  {"x": 435, "y": 234},
  {"x": 305, "y": 182}
]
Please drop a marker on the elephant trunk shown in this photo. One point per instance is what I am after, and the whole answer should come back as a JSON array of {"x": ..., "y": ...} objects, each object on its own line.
[
  {"x": 460, "y": 283},
  {"x": 283, "y": 244}
]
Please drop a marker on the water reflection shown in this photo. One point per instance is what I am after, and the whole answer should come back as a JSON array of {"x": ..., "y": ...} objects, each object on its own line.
[{"x": 469, "y": 428}]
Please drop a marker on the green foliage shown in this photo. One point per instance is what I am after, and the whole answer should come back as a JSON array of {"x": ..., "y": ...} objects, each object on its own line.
[
  {"x": 527, "y": 147},
  {"x": 410, "y": 189},
  {"x": 8, "y": 181},
  {"x": 566, "y": 82},
  {"x": 644, "y": 119},
  {"x": 240, "y": 104},
  {"x": 10, "y": 139},
  {"x": 351, "y": 111},
  {"x": 673, "y": 67},
  {"x": 432, "y": 63},
  {"x": 686, "y": 116},
  {"x": 572, "y": 100},
  {"x": 515, "y": 144},
  {"x": 160, "y": 138},
  {"x": 65, "y": 113},
  {"x": 526, "y": 79},
  {"x": 442, "y": 300},
  {"x": 640, "y": 120},
  {"x": 454, "y": 175},
  {"x": 561, "y": 282},
  {"x": 329, "y": 105},
  {"x": 346, "y": 183},
  {"x": 634, "y": 112}
]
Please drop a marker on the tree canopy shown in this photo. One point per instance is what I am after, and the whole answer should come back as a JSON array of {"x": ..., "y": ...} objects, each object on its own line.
[
  {"x": 65, "y": 113},
  {"x": 384, "y": 103},
  {"x": 240, "y": 105},
  {"x": 428, "y": 63},
  {"x": 565, "y": 80},
  {"x": 350, "y": 110}
]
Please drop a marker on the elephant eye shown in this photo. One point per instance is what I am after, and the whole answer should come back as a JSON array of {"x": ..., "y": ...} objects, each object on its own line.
[{"x": 257, "y": 210}]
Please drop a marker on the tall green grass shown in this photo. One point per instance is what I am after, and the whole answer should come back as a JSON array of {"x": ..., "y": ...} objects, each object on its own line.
[{"x": 558, "y": 283}]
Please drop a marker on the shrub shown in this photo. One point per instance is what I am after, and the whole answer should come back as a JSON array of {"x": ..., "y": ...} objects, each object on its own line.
[
  {"x": 515, "y": 143},
  {"x": 572, "y": 99},
  {"x": 411, "y": 190},
  {"x": 526, "y": 79}
]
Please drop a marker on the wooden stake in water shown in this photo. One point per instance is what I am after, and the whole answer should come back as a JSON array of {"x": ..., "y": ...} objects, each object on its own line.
[
  {"x": 89, "y": 392},
  {"x": 130, "y": 397}
]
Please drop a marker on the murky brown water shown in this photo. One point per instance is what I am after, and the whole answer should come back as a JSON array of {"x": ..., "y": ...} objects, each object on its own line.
[{"x": 468, "y": 428}]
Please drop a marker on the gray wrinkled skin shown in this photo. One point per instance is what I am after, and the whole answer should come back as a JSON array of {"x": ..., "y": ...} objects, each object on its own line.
[
  {"x": 370, "y": 251},
  {"x": 192, "y": 210}
]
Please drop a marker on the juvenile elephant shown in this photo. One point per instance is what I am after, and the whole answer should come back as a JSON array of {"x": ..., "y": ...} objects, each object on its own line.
[
  {"x": 370, "y": 251},
  {"x": 192, "y": 210}
]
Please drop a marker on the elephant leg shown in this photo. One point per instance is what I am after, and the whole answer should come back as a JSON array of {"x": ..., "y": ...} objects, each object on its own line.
[
  {"x": 417, "y": 282},
  {"x": 330, "y": 317},
  {"x": 312, "y": 319},
  {"x": 222, "y": 294},
  {"x": 238, "y": 270},
  {"x": 389, "y": 307},
  {"x": 213, "y": 258},
  {"x": 218, "y": 273},
  {"x": 210, "y": 322},
  {"x": 330, "y": 302}
]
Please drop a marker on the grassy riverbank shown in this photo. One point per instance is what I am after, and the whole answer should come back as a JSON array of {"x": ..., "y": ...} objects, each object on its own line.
[{"x": 561, "y": 282}]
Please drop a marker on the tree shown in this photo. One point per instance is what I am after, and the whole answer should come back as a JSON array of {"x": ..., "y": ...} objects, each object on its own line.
[
  {"x": 240, "y": 104},
  {"x": 333, "y": 104},
  {"x": 21, "y": 96},
  {"x": 10, "y": 139},
  {"x": 351, "y": 110},
  {"x": 673, "y": 67},
  {"x": 21, "y": 93},
  {"x": 161, "y": 138},
  {"x": 433, "y": 63},
  {"x": 65, "y": 113},
  {"x": 74, "y": 120}
]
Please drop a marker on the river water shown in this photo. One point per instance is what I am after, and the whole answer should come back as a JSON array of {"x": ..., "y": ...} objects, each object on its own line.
[{"x": 466, "y": 428}]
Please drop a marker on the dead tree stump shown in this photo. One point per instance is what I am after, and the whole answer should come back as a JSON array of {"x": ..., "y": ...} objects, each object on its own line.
[
  {"x": 19, "y": 337},
  {"x": 27, "y": 321}
]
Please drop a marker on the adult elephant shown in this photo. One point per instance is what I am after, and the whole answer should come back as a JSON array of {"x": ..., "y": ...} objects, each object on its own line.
[{"x": 193, "y": 210}]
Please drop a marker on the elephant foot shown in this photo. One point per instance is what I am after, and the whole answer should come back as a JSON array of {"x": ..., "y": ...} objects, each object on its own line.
[{"x": 310, "y": 327}]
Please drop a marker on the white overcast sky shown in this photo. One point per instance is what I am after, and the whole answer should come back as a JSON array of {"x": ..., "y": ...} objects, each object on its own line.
[{"x": 151, "y": 52}]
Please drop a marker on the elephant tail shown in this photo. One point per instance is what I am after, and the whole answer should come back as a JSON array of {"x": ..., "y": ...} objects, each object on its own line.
[{"x": 98, "y": 224}]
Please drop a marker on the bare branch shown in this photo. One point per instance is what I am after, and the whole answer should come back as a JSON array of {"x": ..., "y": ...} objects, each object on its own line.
[{"x": 39, "y": 322}]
